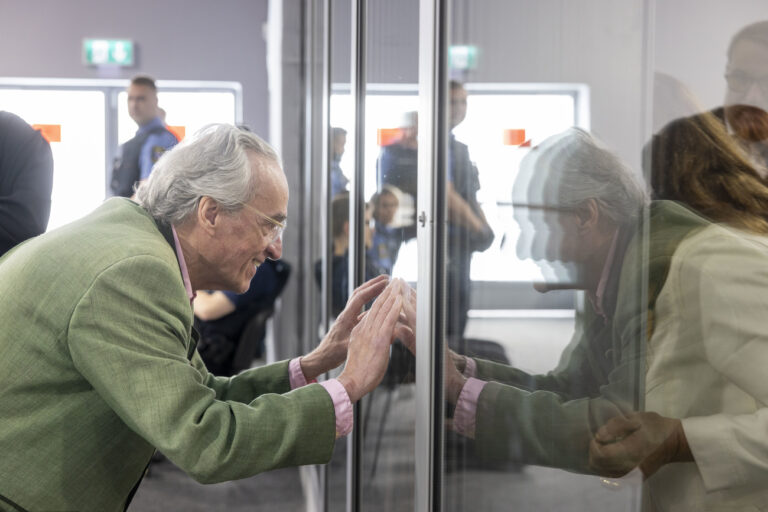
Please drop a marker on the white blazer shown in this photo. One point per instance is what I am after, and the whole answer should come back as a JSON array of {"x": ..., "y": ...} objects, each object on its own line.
[{"x": 708, "y": 365}]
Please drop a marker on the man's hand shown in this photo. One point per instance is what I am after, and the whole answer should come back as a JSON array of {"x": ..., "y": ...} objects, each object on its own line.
[
  {"x": 453, "y": 379},
  {"x": 405, "y": 330},
  {"x": 368, "y": 355},
  {"x": 642, "y": 439},
  {"x": 454, "y": 364},
  {"x": 332, "y": 351}
]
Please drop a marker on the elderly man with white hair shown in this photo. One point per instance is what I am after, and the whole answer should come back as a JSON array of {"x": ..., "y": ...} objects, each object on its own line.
[{"x": 99, "y": 365}]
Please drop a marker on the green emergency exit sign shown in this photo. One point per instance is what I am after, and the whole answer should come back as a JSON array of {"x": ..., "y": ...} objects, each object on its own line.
[
  {"x": 115, "y": 52},
  {"x": 462, "y": 57}
]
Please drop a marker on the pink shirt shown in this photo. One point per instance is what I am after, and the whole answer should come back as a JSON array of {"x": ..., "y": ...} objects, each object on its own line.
[
  {"x": 464, "y": 416},
  {"x": 183, "y": 266},
  {"x": 341, "y": 402}
]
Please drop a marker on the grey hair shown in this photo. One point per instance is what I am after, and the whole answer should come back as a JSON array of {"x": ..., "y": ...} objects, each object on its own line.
[
  {"x": 573, "y": 167},
  {"x": 211, "y": 163}
]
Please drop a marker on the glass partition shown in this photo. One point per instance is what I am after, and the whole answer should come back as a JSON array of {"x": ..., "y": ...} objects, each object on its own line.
[
  {"x": 524, "y": 385},
  {"x": 389, "y": 177}
]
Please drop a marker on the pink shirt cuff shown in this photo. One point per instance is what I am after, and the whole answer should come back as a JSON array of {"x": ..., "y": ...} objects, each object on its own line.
[
  {"x": 464, "y": 417},
  {"x": 470, "y": 368},
  {"x": 295, "y": 375},
  {"x": 342, "y": 405}
]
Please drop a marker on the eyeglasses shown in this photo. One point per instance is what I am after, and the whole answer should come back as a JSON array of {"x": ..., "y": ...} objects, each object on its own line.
[
  {"x": 275, "y": 230},
  {"x": 741, "y": 82}
]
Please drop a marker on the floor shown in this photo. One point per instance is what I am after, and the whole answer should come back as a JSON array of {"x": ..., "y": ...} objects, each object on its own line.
[{"x": 168, "y": 489}]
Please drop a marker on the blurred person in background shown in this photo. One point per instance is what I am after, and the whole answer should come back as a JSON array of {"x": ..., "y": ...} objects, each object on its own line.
[
  {"x": 152, "y": 139},
  {"x": 26, "y": 181},
  {"x": 339, "y": 182}
]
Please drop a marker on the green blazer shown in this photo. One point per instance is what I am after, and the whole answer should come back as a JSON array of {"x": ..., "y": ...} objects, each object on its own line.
[
  {"x": 550, "y": 419},
  {"x": 98, "y": 369}
]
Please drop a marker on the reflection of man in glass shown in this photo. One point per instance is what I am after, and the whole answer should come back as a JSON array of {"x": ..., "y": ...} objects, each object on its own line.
[
  {"x": 673, "y": 324},
  {"x": 584, "y": 209}
]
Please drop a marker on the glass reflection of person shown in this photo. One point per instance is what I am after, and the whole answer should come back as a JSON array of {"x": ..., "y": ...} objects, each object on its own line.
[
  {"x": 704, "y": 366},
  {"x": 695, "y": 290},
  {"x": 387, "y": 237},
  {"x": 585, "y": 209}
]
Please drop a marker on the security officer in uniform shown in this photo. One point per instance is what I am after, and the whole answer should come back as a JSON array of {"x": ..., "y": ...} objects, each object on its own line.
[{"x": 138, "y": 155}]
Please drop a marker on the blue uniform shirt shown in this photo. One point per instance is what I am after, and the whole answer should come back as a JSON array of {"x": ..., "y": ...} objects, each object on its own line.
[{"x": 155, "y": 145}]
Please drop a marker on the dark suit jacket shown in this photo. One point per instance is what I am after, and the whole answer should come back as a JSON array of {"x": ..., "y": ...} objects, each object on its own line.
[{"x": 26, "y": 181}]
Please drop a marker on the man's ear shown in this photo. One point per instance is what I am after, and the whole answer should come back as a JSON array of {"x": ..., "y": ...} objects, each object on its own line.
[
  {"x": 208, "y": 214},
  {"x": 588, "y": 214}
]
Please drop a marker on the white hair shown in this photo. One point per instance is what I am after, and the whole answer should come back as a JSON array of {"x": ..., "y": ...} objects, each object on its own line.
[
  {"x": 214, "y": 163},
  {"x": 572, "y": 167}
]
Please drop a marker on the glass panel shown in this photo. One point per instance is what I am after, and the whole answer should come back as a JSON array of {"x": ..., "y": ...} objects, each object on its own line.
[
  {"x": 515, "y": 196},
  {"x": 341, "y": 134},
  {"x": 78, "y": 157},
  {"x": 627, "y": 399},
  {"x": 391, "y": 127}
]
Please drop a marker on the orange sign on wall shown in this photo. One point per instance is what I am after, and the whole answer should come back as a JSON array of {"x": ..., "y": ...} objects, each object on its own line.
[
  {"x": 178, "y": 131},
  {"x": 50, "y": 132},
  {"x": 513, "y": 137},
  {"x": 387, "y": 136}
]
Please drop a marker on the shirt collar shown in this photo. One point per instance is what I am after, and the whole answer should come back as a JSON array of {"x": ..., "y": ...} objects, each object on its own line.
[
  {"x": 154, "y": 123},
  {"x": 183, "y": 266},
  {"x": 597, "y": 299}
]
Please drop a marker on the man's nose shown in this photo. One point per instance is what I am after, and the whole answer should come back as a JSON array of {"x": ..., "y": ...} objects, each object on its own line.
[{"x": 275, "y": 249}]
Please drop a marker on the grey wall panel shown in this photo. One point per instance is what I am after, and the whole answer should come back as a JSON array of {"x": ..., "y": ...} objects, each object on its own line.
[
  {"x": 175, "y": 39},
  {"x": 597, "y": 42}
]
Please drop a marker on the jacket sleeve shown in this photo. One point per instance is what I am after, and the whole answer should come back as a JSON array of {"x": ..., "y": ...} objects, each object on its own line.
[
  {"x": 128, "y": 338},
  {"x": 248, "y": 385},
  {"x": 541, "y": 419},
  {"x": 550, "y": 419},
  {"x": 728, "y": 298}
]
